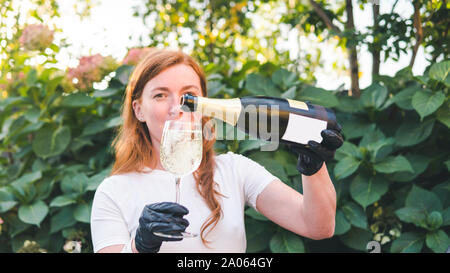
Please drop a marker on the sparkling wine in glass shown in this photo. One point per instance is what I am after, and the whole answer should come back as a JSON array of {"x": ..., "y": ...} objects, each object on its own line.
[{"x": 181, "y": 154}]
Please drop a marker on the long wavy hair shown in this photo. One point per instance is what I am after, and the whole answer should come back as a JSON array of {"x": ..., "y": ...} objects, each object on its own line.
[{"x": 133, "y": 146}]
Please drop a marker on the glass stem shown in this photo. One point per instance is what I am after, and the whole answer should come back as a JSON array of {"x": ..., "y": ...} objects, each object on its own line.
[{"x": 177, "y": 189}]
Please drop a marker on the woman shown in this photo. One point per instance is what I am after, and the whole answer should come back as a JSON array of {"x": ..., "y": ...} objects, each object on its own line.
[{"x": 131, "y": 204}]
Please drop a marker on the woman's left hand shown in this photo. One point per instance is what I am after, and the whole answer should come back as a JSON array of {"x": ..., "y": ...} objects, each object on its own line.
[{"x": 311, "y": 158}]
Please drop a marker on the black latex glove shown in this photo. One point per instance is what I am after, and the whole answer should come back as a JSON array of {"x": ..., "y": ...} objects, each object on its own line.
[
  {"x": 311, "y": 157},
  {"x": 166, "y": 217}
]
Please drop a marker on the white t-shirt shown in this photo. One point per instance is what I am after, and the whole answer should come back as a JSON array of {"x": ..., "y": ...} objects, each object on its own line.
[{"x": 119, "y": 201}]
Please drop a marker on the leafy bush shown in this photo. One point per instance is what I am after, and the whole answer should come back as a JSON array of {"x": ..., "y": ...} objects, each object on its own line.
[
  {"x": 55, "y": 151},
  {"x": 391, "y": 175}
]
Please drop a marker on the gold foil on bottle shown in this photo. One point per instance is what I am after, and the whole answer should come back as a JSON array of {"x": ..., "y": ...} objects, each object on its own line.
[
  {"x": 227, "y": 110},
  {"x": 298, "y": 104}
]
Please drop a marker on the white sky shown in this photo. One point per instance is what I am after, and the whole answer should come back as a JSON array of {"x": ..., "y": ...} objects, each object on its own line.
[{"x": 112, "y": 29}]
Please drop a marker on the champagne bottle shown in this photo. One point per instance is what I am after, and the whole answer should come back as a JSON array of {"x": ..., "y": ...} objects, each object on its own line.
[{"x": 268, "y": 118}]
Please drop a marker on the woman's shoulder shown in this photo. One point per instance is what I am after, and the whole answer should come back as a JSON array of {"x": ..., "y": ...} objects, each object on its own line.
[
  {"x": 232, "y": 159},
  {"x": 230, "y": 156},
  {"x": 118, "y": 181},
  {"x": 227, "y": 157}
]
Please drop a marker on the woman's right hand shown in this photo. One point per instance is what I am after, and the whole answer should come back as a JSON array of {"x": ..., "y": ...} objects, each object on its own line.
[{"x": 165, "y": 217}]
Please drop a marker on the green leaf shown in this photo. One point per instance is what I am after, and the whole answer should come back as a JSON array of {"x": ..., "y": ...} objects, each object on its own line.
[
  {"x": 367, "y": 190},
  {"x": 259, "y": 85},
  {"x": 286, "y": 242},
  {"x": 6, "y": 127},
  {"x": 346, "y": 167},
  {"x": 214, "y": 87},
  {"x": 74, "y": 183},
  {"x": 354, "y": 127},
  {"x": 284, "y": 78},
  {"x": 31, "y": 77},
  {"x": 424, "y": 200},
  {"x": 372, "y": 137},
  {"x": 446, "y": 217},
  {"x": 442, "y": 190},
  {"x": 114, "y": 122},
  {"x": 443, "y": 115},
  {"x": 32, "y": 127},
  {"x": 412, "y": 132},
  {"x": 250, "y": 144},
  {"x": 355, "y": 215},
  {"x": 404, "y": 98},
  {"x": 49, "y": 142},
  {"x": 348, "y": 149},
  {"x": 272, "y": 165},
  {"x": 96, "y": 180},
  {"x": 63, "y": 219},
  {"x": 11, "y": 102},
  {"x": 258, "y": 234},
  {"x": 357, "y": 239},
  {"x": 435, "y": 220},
  {"x": 61, "y": 201},
  {"x": 380, "y": 149},
  {"x": 16, "y": 226},
  {"x": 108, "y": 92},
  {"x": 318, "y": 96},
  {"x": 438, "y": 241},
  {"x": 78, "y": 143},
  {"x": 423, "y": 79},
  {"x": 426, "y": 102},
  {"x": 7, "y": 201},
  {"x": 123, "y": 73},
  {"x": 409, "y": 242},
  {"x": 290, "y": 93},
  {"x": 32, "y": 114},
  {"x": 34, "y": 213},
  {"x": 23, "y": 184},
  {"x": 418, "y": 163},
  {"x": 412, "y": 215},
  {"x": 373, "y": 96},
  {"x": 94, "y": 127},
  {"x": 255, "y": 215},
  {"x": 82, "y": 213},
  {"x": 393, "y": 164},
  {"x": 342, "y": 224},
  {"x": 77, "y": 100},
  {"x": 348, "y": 104},
  {"x": 441, "y": 72}
]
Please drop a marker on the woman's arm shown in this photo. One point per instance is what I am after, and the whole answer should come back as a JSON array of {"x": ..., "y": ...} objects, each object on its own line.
[{"x": 311, "y": 215}]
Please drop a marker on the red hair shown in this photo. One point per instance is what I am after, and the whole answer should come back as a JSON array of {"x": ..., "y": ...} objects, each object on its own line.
[{"x": 133, "y": 145}]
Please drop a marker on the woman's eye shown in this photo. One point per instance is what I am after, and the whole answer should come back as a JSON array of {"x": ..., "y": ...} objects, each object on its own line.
[{"x": 160, "y": 95}]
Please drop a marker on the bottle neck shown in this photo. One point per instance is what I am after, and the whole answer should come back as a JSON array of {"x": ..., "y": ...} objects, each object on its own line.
[{"x": 227, "y": 110}]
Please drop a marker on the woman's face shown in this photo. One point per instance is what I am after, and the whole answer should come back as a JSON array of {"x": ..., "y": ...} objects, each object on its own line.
[{"x": 160, "y": 100}]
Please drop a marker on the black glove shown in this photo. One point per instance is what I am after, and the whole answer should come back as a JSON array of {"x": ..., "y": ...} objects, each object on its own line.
[
  {"x": 165, "y": 217},
  {"x": 311, "y": 157}
]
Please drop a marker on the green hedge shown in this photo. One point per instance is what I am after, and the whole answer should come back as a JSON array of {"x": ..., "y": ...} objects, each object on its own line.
[{"x": 391, "y": 175}]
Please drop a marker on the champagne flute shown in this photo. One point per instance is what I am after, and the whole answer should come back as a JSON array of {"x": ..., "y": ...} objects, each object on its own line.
[{"x": 181, "y": 153}]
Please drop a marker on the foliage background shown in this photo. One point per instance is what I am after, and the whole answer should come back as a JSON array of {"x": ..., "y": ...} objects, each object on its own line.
[{"x": 391, "y": 175}]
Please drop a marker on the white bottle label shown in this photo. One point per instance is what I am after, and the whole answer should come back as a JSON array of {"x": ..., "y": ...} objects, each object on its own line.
[{"x": 302, "y": 129}]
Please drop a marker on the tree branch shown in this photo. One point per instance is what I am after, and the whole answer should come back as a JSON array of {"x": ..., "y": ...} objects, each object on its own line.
[
  {"x": 393, "y": 6},
  {"x": 376, "y": 50},
  {"x": 419, "y": 31},
  {"x": 354, "y": 74},
  {"x": 324, "y": 17}
]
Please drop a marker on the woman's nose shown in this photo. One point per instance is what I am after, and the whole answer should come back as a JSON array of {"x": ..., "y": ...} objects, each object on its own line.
[{"x": 175, "y": 109}]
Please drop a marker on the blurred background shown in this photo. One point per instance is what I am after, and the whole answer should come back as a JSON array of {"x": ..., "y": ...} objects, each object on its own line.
[{"x": 382, "y": 65}]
